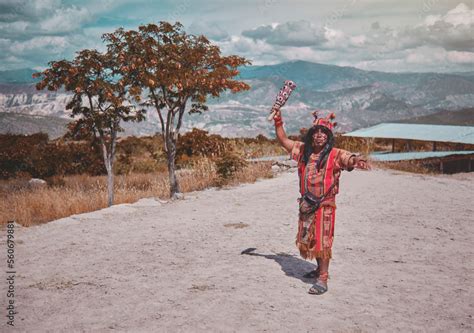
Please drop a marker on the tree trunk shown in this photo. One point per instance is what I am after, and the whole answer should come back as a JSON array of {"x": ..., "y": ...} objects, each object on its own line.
[
  {"x": 110, "y": 184},
  {"x": 171, "y": 153},
  {"x": 108, "y": 161}
]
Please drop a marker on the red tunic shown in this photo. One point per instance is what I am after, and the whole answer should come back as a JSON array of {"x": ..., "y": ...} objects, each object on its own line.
[{"x": 316, "y": 231}]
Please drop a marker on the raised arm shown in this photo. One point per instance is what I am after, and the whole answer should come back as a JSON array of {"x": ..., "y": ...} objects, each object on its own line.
[{"x": 286, "y": 143}]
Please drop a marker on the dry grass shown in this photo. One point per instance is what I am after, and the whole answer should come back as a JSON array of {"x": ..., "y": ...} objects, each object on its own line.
[
  {"x": 258, "y": 149},
  {"x": 250, "y": 174},
  {"x": 65, "y": 196},
  {"x": 413, "y": 166},
  {"x": 360, "y": 145}
]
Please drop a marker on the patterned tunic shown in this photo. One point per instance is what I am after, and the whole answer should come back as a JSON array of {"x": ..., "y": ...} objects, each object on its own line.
[{"x": 316, "y": 229}]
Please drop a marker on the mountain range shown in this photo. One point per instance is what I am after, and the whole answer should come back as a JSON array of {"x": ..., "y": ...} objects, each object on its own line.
[{"x": 359, "y": 98}]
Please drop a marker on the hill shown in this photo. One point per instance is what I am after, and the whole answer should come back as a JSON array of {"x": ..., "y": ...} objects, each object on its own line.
[
  {"x": 359, "y": 98},
  {"x": 464, "y": 117},
  {"x": 17, "y": 123}
]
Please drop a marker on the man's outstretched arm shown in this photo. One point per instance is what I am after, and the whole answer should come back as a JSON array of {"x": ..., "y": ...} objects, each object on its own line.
[{"x": 348, "y": 161}]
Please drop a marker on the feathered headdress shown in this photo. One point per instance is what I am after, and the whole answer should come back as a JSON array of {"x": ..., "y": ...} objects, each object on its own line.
[{"x": 327, "y": 122}]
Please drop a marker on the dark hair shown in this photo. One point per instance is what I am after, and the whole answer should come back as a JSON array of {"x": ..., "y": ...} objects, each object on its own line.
[{"x": 308, "y": 145}]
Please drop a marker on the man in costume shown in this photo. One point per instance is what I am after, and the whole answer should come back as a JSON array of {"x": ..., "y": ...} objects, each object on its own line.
[{"x": 319, "y": 168}]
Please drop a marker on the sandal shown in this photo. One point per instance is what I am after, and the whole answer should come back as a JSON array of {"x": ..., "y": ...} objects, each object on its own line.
[{"x": 318, "y": 288}]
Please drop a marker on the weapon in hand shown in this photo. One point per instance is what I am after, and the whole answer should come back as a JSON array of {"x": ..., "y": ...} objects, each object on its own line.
[{"x": 282, "y": 97}]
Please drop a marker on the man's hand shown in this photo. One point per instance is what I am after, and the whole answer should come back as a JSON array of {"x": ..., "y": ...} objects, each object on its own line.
[
  {"x": 277, "y": 113},
  {"x": 360, "y": 162}
]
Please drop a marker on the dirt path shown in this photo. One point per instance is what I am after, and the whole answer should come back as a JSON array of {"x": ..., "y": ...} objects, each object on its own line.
[{"x": 403, "y": 261}]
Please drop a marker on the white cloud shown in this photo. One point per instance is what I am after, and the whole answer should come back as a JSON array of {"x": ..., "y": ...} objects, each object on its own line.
[
  {"x": 65, "y": 20},
  {"x": 426, "y": 55},
  {"x": 211, "y": 30},
  {"x": 358, "y": 41},
  {"x": 307, "y": 54},
  {"x": 40, "y": 18},
  {"x": 460, "y": 15},
  {"x": 31, "y": 11},
  {"x": 440, "y": 42},
  {"x": 333, "y": 36},
  {"x": 13, "y": 59},
  {"x": 293, "y": 33},
  {"x": 258, "y": 51},
  {"x": 263, "y": 53},
  {"x": 14, "y": 28},
  {"x": 453, "y": 31},
  {"x": 48, "y": 44},
  {"x": 44, "y": 30},
  {"x": 338, "y": 33},
  {"x": 461, "y": 57}
]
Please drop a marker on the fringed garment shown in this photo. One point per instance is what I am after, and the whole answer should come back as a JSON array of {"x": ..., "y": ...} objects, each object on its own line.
[{"x": 316, "y": 228}]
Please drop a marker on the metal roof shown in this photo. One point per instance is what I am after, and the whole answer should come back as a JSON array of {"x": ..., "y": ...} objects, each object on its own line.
[
  {"x": 440, "y": 133},
  {"x": 416, "y": 155}
]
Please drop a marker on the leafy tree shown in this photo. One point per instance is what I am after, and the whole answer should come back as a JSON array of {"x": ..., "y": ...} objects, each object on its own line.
[
  {"x": 100, "y": 100},
  {"x": 170, "y": 69}
]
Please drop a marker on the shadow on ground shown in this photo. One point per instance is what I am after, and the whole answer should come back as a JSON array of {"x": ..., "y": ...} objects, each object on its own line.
[{"x": 290, "y": 264}]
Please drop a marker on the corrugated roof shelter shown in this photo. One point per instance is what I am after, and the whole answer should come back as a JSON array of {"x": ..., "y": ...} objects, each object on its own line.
[
  {"x": 439, "y": 133},
  {"x": 416, "y": 155}
]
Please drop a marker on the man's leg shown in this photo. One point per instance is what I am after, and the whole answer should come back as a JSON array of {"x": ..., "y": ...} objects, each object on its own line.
[
  {"x": 323, "y": 265},
  {"x": 315, "y": 272},
  {"x": 321, "y": 285}
]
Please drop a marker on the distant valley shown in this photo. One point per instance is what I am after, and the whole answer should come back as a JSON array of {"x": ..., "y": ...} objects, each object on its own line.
[{"x": 359, "y": 99}]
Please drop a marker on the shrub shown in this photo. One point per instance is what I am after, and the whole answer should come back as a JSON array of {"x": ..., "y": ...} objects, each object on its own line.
[
  {"x": 34, "y": 156},
  {"x": 229, "y": 164},
  {"x": 200, "y": 143}
]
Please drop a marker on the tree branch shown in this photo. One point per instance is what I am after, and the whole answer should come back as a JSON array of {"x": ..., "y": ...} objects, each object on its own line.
[
  {"x": 90, "y": 102},
  {"x": 163, "y": 90},
  {"x": 158, "y": 109},
  {"x": 181, "y": 113}
]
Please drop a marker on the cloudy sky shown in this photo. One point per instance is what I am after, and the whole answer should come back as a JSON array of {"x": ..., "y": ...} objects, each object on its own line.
[{"x": 389, "y": 35}]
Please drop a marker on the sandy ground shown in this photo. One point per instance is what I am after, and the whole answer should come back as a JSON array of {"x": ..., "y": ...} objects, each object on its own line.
[{"x": 403, "y": 261}]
